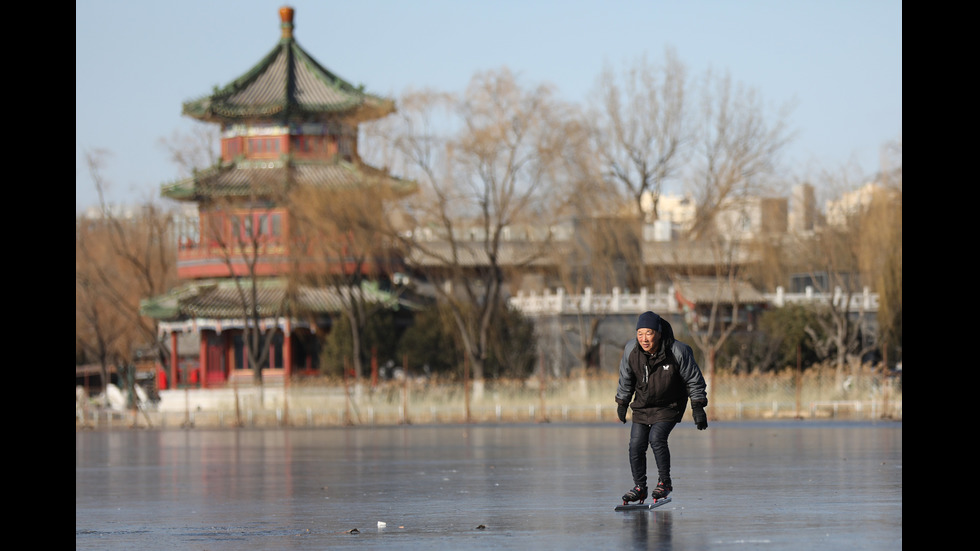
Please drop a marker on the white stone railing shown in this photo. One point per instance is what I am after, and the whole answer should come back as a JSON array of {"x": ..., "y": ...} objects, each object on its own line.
[
  {"x": 620, "y": 302},
  {"x": 589, "y": 303},
  {"x": 865, "y": 300}
]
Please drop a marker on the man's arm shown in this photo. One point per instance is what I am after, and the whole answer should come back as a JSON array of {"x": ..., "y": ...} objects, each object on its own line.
[
  {"x": 691, "y": 373},
  {"x": 696, "y": 387},
  {"x": 627, "y": 381}
]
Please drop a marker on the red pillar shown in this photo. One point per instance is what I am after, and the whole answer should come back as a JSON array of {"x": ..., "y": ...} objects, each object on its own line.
[
  {"x": 174, "y": 359},
  {"x": 228, "y": 348},
  {"x": 203, "y": 361}
]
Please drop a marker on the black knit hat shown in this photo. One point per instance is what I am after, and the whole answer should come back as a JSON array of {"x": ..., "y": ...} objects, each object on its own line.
[{"x": 648, "y": 320}]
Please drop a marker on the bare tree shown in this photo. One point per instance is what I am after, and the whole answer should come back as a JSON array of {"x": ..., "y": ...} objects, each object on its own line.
[
  {"x": 596, "y": 242},
  {"x": 102, "y": 332},
  {"x": 859, "y": 247},
  {"x": 734, "y": 162},
  {"x": 199, "y": 147},
  {"x": 841, "y": 332},
  {"x": 881, "y": 250},
  {"x": 597, "y": 257},
  {"x": 717, "y": 297},
  {"x": 123, "y": 255},
  {"x": 738, "y": 148},
  {"x": 482, "y": 163},
  {"x": 641, "y": 128},
  {"x": 238, "y": 233},
  {"x": 340, "y": 243}
]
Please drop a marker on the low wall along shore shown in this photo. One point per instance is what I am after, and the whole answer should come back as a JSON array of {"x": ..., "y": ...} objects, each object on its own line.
[{"x": 817, "y": 394}]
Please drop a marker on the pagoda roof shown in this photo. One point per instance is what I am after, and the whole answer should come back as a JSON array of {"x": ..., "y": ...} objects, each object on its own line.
[
  {"x": 271, "y": 178},
  {"x": 288, "y": 84},
  {"x": 221, "y": 299}
]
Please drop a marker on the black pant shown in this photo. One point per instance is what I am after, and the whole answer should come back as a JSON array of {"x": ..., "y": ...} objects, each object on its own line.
[{"x": 655, "y": 436}]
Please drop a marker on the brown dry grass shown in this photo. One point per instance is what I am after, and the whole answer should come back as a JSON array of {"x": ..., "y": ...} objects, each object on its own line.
[{"x": 315, "y": 402}]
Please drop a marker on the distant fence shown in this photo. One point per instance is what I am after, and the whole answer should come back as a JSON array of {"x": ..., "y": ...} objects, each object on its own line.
[
  {"x": 816, "y": 394},
  {"x": 619, "y": 301}
]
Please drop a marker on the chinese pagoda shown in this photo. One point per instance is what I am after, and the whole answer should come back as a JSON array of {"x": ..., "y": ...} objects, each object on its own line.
[{"x": 287, "y": 123}]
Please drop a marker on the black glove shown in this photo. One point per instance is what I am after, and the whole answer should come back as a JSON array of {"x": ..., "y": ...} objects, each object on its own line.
[
  {"x": 700, "y": 417},
  {"x": 621, "y": 410}
]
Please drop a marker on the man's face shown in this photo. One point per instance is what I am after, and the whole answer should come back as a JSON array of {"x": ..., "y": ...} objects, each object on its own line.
[{"x": 647, "y": 339}]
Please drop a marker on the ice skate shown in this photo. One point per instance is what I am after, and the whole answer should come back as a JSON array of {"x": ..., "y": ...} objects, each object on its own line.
[
  {"x": 663, "y": 489},
  {"x": 638, "y": 493}
]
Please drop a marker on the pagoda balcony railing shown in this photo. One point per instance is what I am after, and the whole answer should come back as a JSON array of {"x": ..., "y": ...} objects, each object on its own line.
[{"x": 196, "y": 250}]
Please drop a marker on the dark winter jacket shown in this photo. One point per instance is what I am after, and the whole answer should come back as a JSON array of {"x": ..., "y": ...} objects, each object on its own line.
[{"x": 660, "y": 383}]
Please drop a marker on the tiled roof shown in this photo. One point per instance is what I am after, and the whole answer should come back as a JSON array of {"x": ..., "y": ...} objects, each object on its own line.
[
  {"x": 530, "y": 253},
  {"x": 222, "y": 299},
  {"x": 705, "y": 290},
  {"x": 288, "y": 84},
  {"x": 472, "y": 254},
  {"x": 271, "y": 178},
  {"x": 690, "y": 253}
]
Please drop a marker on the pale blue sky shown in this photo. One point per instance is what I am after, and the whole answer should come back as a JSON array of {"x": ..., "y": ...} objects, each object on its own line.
[{"x": 839, "y": 62}]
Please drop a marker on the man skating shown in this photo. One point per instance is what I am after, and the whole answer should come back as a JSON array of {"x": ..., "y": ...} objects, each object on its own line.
[{"x": 659, "y": 374}]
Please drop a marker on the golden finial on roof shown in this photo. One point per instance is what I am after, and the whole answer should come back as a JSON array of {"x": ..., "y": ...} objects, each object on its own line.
[{"x": 286, "y": 15}]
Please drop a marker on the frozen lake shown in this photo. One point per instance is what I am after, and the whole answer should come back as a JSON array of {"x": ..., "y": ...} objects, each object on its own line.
[{"x": 761, "y": 485}]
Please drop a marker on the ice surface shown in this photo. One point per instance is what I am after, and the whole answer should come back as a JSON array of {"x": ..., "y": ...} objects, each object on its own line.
[{"x": 776, "y": 485}]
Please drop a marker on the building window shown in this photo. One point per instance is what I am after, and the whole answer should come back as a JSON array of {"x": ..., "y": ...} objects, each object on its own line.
[
  {"x": 231, "y": 148},
  {"x": 276, "y": 224},
  {"x": 261, "y": 227},
  {"x": 263, "y": 147},
  {"x": 312, "y": 146},
  {"x": 798, "y": 283}
]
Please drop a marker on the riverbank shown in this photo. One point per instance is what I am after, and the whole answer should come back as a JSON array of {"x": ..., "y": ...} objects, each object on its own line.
[{"x": 324, "y": 403}]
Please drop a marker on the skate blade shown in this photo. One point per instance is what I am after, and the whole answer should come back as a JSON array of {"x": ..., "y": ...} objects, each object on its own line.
[{"x": 643, "y": 506}]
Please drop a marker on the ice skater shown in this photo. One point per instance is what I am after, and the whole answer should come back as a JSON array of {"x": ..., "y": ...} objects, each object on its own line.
[{"x": 659, "y": 374}]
